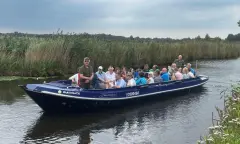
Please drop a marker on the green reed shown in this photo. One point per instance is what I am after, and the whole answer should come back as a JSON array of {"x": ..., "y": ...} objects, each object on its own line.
[{"x": 62, "y": 54}]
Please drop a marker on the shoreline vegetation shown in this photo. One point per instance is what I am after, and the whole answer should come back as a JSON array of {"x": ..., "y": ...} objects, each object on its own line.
[
  {"x": 227, "y": 129},
  {"x": 30, "y": 55}
]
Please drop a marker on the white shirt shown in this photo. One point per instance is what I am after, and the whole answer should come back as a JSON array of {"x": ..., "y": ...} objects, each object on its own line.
[
  {"x": 151, "y": 80},
  {"x": 190, "y": 74},
  {"x": 110, "y": 77},
  {"x": 131, "y": 82}
]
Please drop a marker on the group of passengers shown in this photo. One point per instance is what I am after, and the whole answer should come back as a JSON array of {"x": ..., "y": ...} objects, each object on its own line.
[{"x": 119, "y": 78}]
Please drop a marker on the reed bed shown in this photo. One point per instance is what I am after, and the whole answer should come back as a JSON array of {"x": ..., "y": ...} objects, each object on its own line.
[
  {"x": 227, "y": 129},
  {"x": 62, "y": 54}
]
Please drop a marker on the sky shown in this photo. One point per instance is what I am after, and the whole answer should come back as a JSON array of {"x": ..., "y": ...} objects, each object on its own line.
[{"x": 143, "y": 18}]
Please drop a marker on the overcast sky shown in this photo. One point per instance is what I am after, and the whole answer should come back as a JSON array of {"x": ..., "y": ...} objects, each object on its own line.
[{"x": 144, "y": 18}]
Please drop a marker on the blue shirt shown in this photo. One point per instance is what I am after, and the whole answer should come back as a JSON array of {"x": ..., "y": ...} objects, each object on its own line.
[
  {"x": 121, "y": 83},
  {"x": 165, "y": 77},
  {"x": 136, "y": 75},
  {"x": 193, "y": 71},
  {"x": 141, "y": 81},
  {"x": 101, "y": 75}
]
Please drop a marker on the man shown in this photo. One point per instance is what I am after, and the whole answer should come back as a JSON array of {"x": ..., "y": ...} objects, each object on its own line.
[
  {"x": 154, "y": 68},
  {"x": 165, "y": 75},
  {"x": 189, "y": 66},
  {"x": 179, "y": 62},
  {"x": 157, "y": 78},
  {"x": 120, "y": 83},
  {"x": 101, "y": 78},
  {"x": 86, "y": 73},
  {"x": 146, "y": 68}
]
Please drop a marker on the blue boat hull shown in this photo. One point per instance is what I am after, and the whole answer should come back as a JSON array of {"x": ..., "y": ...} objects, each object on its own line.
[{"x": 56, "y": 98}]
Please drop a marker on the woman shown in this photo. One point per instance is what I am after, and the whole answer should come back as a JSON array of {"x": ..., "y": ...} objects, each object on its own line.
[
  {"x": 187, "y": 74},
  {"x": 110, "y": 77},
  {"x": 130, "y": 81},
  {"x": 124, "y": 73},
  {"x": 178, "y": 74},
  {"x": 150, "y": 78},
  {"x": 141, "y": 80}
]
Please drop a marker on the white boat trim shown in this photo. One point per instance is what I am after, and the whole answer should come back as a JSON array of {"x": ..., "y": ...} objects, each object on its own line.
[{"x": 122, "y": 98}]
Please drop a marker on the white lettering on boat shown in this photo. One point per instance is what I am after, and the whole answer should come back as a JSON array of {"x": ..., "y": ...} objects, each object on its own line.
[
  {"x": 71, "y": 92},
  {"x": 108, "y": 95},
  {"x": 132, "y": 94}
]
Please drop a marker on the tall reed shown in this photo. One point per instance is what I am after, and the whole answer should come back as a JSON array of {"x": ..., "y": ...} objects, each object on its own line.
[{"x": 62, "y": 54}]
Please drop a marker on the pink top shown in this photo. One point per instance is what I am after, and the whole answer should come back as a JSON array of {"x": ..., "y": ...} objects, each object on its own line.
[{"x": 178, "y": 76}]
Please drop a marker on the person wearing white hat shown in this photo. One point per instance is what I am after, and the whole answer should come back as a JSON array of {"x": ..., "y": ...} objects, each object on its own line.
[{"x": 101, "y": 78}]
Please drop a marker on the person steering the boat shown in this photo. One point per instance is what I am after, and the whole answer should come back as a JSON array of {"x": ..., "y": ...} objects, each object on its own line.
[
  {"x": 119, "y": 83},
  {"x": 86, "y": 73},
  {"x": 179, "y": 62}
]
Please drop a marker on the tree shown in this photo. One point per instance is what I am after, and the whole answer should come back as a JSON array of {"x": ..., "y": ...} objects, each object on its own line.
[{"x": 207, "y": 37}]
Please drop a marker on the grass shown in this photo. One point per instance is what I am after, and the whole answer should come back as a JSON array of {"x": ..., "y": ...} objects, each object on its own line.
[
  {"x": 63, "y": 54},
  {"x": 12, "y": 78},
  {"x": 227, "y": 130}
]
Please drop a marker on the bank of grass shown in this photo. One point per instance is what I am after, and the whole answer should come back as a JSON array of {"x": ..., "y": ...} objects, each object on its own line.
[
  {"x": 62, "y": 54},
  {"x": 227, "y": 130}
]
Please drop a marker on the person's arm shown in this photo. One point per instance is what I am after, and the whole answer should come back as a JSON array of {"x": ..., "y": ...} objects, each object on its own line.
[
  {"x": 103, "y": 80},
  {"x": 91, "y": 77},
  {"x": 81, "y": 74}
]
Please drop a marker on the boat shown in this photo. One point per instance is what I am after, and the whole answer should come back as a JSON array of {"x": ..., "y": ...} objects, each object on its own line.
[{"x": 62, "y": 96}]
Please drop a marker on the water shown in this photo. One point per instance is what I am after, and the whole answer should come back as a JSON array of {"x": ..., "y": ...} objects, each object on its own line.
[{"x": 180, "y": 120}]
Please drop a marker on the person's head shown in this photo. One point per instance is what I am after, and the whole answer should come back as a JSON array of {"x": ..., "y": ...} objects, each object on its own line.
[
  {"x": 174, "y": 65},
  {"x": 154, "y": 67},
  {"x": 141, "y": 74},
  {"x": 100, "y": 68},
  {"x": 118, "y": 76},
  {"x": 131, "y": 70},
  {"x": 156, "y": 73},
  {"x": 189, "y": 65},
  {"x": 110, "y": 68},
  {"x": 124, "y": 69},
  {"x": 164, "y": 70},
  {"x": 180, "y": 70},
  {"x": 129, "y": 75},
  {"x": 185, "y": 70},
  {"x": 150, "y": 74},
  {"x": 146, "y": 67},
  {"x": 86, "y": 61},
  {"x": 180, "y": 57},
  {"x": 117, "y": 70},
  {"x": 175, "y": 70}
]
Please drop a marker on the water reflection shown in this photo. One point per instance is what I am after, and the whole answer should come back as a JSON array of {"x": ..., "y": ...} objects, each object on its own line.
[
  {"x": 59, "y": 128},
  {"x": 10, "y": 92}
]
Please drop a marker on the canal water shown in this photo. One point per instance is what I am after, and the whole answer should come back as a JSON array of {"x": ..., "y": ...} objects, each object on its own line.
[{"x": 179, "y": 120}]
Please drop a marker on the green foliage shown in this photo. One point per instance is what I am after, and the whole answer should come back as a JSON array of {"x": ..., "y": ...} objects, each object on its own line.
[
  {"x": 33, "y": 55},
  {"x": 227, "y": 131}
]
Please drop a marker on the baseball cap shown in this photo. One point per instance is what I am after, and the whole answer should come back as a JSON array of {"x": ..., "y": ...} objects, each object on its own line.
[{"x": 100, "y": 67}]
